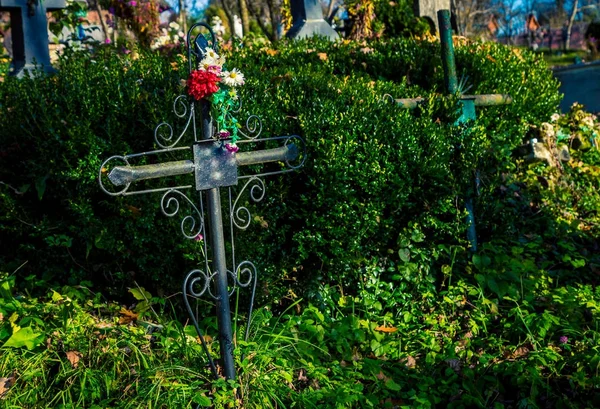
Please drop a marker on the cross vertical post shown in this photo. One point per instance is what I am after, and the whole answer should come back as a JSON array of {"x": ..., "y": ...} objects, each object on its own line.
[
  {"x": 215, "y": 164},
  {"x": 217, "y": 241}
]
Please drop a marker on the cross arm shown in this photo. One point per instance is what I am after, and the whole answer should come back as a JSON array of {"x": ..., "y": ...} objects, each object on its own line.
[
  {"x": 484, "y": 100},
  {"x": 124, "y": 175}
]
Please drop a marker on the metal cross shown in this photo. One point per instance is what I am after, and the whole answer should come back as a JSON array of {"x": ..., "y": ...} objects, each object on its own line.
[
  {"x": 468, "y": 102},
  {"x": 214, "y": 167},
  {"x": 29, "y": 28}
]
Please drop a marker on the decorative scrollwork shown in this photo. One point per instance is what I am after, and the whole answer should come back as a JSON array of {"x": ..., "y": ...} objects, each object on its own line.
[
  {"x": 241, "y": 216},
  {"x": 253, "y": 127},
  {"x": 181, "y": 108},
  {"x": 245, "y": 268},
  {"x": 104, "y": 169},
  {"x": 387, "y": 98},
  {"x": 301, "y": 152},
  {"x": 169, "y": 205},
  {"x": 192, "y": 280},
  {"x": 198, "y": 44}
]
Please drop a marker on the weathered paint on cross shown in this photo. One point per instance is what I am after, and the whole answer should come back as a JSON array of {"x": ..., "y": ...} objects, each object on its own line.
[
  {"x": 468, "y": 103},
  {"x": 214, "y": 167},
  {"x": 29, "y": 28}
]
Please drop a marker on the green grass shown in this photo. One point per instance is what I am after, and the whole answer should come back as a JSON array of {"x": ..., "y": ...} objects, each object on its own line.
[{"x": 557, "y": 58}]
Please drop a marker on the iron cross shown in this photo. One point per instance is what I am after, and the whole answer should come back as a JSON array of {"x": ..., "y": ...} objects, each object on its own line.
[
  {"x": 29, "y": 28},
  {"x": 214, "y": 167},
  {"x": 468, "y": 104}
]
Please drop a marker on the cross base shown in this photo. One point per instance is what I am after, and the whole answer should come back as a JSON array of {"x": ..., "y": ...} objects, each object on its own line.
[
  {"x": 20, "y": 69},
  {"x": 309, "y": 28}
]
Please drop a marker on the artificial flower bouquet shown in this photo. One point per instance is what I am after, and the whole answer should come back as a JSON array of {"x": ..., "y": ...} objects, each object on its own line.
[{"x": 213, "y": 82}]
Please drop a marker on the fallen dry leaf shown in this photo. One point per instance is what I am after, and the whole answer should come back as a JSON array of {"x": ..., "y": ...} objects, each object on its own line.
[
  {"x": 302, "y": 376},
  {"x": 74, "y": 357},
  {"x": 385, "y": 329},
  {"x": 5, "y": 384},
  {"x": 409, "y": 361},
  {"x": 127, "y": 316}
]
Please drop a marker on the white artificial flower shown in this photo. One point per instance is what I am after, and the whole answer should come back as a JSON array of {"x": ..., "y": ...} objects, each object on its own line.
[
  {"x": 174, "y": 25},
  {"x": 211, "y": 58},
  {"x": 588, "y": 121},
  {"x": 555, "y": 117},
  {"x": 233, "y": 78}
]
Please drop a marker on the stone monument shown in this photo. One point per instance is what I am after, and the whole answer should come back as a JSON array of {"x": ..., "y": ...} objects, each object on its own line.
[
  {"x": 29, "y": 27},
  {"x": 428, "y": 9},
  {"x": 308, "y": 21}
]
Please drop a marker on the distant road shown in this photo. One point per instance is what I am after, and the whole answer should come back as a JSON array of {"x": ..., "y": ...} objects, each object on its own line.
[{"x": 580, "y": 83}]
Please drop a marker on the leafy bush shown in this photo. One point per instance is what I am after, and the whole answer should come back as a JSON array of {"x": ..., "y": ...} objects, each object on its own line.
[{"x": 389, "y": 167}]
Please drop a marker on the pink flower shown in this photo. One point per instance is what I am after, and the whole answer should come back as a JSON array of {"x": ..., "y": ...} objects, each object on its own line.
[
  {"x": 564, "y": 340},
  {"x": 215, "y": 69},
  {"x": 199, "y": 237},
  {"x": 224, "y": 133},
  {"x": 232, "y": 147},
  {"x": 133, "y": 3},
  {"x": 107, "y": 40}
]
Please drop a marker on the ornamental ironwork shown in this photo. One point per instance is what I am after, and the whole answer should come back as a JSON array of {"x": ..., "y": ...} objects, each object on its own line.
[{"x": 215, "y": 155}]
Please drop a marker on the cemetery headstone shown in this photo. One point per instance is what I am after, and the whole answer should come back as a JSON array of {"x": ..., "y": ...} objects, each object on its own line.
[
  {"x": 468, "y": 102},
  {"x": 429, "y": 9},
  {"x": 213, "y": 159},
  {"x": 238, "y": 28},
  {"x": 29, "y": 28},
  {"x": 308, "y": 21}
]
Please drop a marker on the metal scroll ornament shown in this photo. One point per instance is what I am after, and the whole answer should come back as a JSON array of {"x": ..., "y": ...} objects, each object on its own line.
[{"x": 213, "y": 147}]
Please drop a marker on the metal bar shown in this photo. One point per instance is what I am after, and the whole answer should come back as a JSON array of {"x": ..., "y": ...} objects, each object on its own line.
[
  {"x": 485, "y": 100},
  {"x": 448, "y": 61},
  {"x": 217, "y": 239},
  {"x": 123, "y": 175},
  {"x": 284, "y": 153},
  {"x": 488, "y": 100}
]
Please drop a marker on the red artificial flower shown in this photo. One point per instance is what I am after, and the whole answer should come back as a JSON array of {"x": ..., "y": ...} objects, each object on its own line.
[{"x": 202, "y": 83}]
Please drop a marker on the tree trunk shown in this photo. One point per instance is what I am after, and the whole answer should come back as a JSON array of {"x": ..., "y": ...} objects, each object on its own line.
[
  {"x": 245, "y": 17},
  {"x": 101, "y": 18},
  {"x": 570, "y": 26},
  {"x": 182, "y": 16},
  {"x": 261, "y": 24}
]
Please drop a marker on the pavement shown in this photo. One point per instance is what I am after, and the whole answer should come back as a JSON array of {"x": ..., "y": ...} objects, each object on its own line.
[{"x": 580, "y": 83}]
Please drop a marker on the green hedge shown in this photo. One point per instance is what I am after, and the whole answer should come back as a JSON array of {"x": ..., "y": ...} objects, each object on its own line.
[{"x": 374, "y": 171}]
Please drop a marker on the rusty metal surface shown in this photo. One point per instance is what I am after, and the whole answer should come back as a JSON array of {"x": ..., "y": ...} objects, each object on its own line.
[
  {"x": 485, "y": 100},
  {"x": 488, "y": 100}
]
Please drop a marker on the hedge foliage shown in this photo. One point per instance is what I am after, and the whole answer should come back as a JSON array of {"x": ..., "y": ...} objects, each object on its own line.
[{"x": 375, "y": 171}]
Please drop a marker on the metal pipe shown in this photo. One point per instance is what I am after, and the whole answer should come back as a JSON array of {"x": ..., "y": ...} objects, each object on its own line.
[
  {"x": 123, "y": 175},
  {"x": 485, "y": 100},
  {"x": 448, "y": 62},
  {"x": 217, "y": 241},
  {"x": 488, "y": 100},
  {"x": 284, "y": 153}
]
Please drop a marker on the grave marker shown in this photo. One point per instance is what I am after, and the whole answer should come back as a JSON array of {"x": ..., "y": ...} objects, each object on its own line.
[
  {"x": 29, "y": 28},
  {"x": 468, "y": 102},
  {"x": 215, "y": 165},
  {"x": 308, "y": 21}
]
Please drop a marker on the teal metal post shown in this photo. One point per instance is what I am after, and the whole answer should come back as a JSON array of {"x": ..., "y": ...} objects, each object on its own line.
[{"x": 467, "y": 111}]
